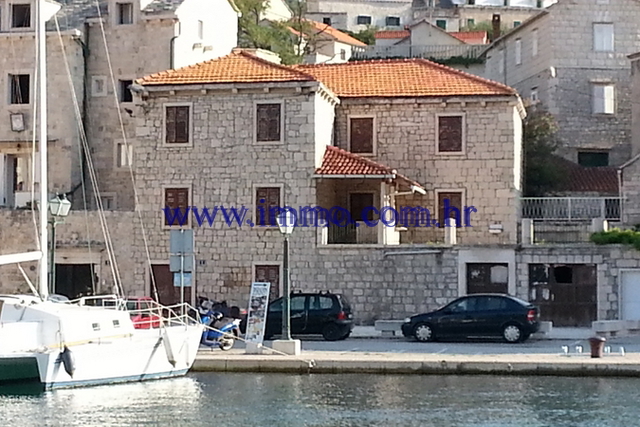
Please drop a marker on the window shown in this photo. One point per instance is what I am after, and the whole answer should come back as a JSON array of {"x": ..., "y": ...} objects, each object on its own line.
[
  {"x": 19, "y": 88},
  {"x": 518, "y": 53},
  {"x": 267, "y": 206},
  {"x": 603, "y": 37},
  {"x": 363, "y": 20},
  {"x": 471, "y": 22},
  {"x": 441, "y": 23},
  {"x": 177, "y": 124},
  {"x": 534, "y": 94},
  {"x": 125, "y": 92},
  {"x": 593, "y": 158},
  {"x": 516, "y": 24},
  {"x": 465, "y": 305},
  {"x": 297, "y": 303},
  {"x": 534, "y": 42},
  {"x": 200, "y": 30},
  {"x": 326, "y": 21},
  {"x": 393, "y": 21},
  {"x": 361, "y": 135},
  {"x": 491, "y": 304},
  {"x": 99, "y": 86},
  {"x": 269, "y": 122},
  {"x": 450, "y": 206},
  {"x": 357, "y": 203},
  {"x": 450, "y": 134},
  {"x": 270, "y": 274},
  {"x": 319, "y": 302},
  {"x": 124, "y": 156},
  {"x": 603, "y": 99},
  {"x": 177, "y": 200},
  {"x": 125, "y": 13},
  {"x": 20, "y": 15},
  {"x": 108, "y": 202},
  {"x": 343, "y": 54}
]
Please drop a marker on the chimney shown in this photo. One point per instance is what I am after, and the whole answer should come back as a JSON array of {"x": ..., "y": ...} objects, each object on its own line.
[{"x": 495, "y": 21}]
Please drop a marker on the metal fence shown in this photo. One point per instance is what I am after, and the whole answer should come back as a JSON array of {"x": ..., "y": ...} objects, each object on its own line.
[
  {"x": 419, "y": 51},
  {"x": 571, "y": 208}
]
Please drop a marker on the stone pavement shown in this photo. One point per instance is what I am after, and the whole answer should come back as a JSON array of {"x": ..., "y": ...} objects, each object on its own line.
[{"x": 420, "y": 363}]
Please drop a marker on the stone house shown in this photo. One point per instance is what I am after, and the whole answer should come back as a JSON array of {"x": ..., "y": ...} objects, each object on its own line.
[
  {"x": 579, "y": 72},
  {"x": 88, "y": 88},
  {"x": 358, "y": 15},
  {"x": 630, "y": 170},
  {"x": 330, "y": 46}
]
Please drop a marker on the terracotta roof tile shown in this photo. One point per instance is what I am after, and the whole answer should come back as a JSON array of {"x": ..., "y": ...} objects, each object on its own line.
[
  {"x": 337, "y": 161},
  {"x": 472, "y": 37},
  {"x": 401, "y": 78},
  {"x": 582, "y": 179},
  {"x": 321, "y": 28},
  {"x": 391, "y": 34},
  {"x": 237, "y": 67}
]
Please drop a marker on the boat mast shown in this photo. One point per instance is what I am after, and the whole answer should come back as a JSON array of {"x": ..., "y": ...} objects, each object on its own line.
[{"x": 41, "y": 38}]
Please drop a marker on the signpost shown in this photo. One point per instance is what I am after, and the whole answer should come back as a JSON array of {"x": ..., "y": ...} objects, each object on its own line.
[
  {"x": 181, "y": 260},
  {"x": 257, "y": 316}
]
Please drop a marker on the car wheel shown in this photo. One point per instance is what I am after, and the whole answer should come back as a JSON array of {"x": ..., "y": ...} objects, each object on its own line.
[
  {"x": 345, "y": 336},
  {"x": 423, "y": 332},
  {"x": 331, "y": 332},
  {"x": 512, "y": 333}
]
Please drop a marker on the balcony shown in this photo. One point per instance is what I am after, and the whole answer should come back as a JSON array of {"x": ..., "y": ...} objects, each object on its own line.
[
  {"x": 433, "y": 52},
  {"x": 571, "y": 208}
]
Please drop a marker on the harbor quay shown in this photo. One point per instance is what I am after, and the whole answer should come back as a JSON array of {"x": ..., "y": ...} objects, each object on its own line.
[{"x": 343, "y": 362}]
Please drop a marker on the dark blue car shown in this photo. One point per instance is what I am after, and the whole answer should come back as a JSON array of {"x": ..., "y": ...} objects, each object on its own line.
[{"x": 476, "y": 315}]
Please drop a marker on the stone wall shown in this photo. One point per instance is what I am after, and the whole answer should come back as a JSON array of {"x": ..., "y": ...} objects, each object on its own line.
[{"x": 488, "y": 171}]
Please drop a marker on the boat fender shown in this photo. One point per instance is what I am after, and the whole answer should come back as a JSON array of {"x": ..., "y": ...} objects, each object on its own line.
[{"x": 68, "y": 361}]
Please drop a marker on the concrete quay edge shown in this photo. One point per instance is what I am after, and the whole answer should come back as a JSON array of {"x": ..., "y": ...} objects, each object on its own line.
[{"x": 316, "y": 362}]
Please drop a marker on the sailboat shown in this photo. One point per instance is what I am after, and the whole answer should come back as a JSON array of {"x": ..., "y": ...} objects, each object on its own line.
[{"x": 68, "y": 344}]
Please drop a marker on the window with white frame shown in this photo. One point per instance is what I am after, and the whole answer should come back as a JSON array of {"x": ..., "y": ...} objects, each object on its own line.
[
  {"x": 21, "y": 15},
  {"x": 363, "y": 20},
  {"x": 603, "y": 36},
  {"x": 534, "y": 42},
  {"x": 603, "y": 98},
  {"x": 393, "y": 21},
  {"x": 518, "y": 53},
  {"x": 124, "y": 155}
]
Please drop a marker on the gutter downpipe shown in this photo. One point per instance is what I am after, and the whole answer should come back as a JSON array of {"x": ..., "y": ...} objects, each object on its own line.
[
  {"x": 172, "y": 43},
  {"x": 621, "y": 195}
]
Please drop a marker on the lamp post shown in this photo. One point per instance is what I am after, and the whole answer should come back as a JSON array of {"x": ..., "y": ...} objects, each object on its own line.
[
  {"x": 59, "y": 208},
  {"x": 286, "y": 222}
]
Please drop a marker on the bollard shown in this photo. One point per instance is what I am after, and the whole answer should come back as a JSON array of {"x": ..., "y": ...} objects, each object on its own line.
[{"x": 597, "y": 344}]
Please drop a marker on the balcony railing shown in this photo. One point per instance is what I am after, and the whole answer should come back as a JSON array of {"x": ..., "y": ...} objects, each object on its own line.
[
  {"x": 438, "y": 52},
  {"x": 571, "y": 208},
  {"x": 350, "y": 234}
]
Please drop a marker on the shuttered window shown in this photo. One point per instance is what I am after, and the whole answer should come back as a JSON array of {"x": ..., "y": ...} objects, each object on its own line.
[
  {"x": 176, "y": 198},
  {"x": 454, "y": 200},
  {"x": 361, "y": 135},
  {"x": 177, "y": 124},
  {"x": 450, "y": 134},
  {"x": 269, "y": 122},
  {"x": 267, "y": 199}
]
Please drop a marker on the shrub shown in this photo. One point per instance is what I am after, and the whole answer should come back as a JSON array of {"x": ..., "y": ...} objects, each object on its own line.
[{"x": 617, "y": 236}]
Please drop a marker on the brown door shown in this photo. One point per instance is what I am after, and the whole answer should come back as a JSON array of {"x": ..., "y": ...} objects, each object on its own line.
[
  {"x": 487, "y": 278},
  {"x": 565, "y": 293},
  {"x": 269, "y": 274},
  {"x": 167, "y": 293}
]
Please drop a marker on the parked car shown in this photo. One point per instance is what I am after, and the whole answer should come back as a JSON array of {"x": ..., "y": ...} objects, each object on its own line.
[
  {"x": 315, "y": 313},
  {"x": 477, "y": 315}
]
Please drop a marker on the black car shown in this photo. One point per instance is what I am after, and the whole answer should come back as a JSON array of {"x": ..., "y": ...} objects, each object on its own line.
[
  {"x": 316, "y": 313},
  {"x": 477, "y": 315}
]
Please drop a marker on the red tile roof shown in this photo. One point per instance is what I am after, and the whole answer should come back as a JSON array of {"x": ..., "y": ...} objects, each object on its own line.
[
  {"x": 397, "y": 34},
  {"x": 472, "y": 37},
  {"x": 582, "y": 179},
  {"x": 337, "y": 161},
  {"x": 338, "y": 35},
  {"x": 237, "y": 67},
  {"x": 401, "y": 78}
]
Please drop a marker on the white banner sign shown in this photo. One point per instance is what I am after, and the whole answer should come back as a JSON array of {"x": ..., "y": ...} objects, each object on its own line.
[{"x": 257, "y": 313}]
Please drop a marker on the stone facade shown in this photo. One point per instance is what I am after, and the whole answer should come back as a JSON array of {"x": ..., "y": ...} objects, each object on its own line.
[
  {"x": 559, "y": 67},
  {"x": 344, "y": 13}
]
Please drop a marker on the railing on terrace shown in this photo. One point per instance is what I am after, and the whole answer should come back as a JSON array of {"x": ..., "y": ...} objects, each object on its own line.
[
  {"x": 350, "y": 234},
  {"x": 438, "y": 52},
  {"x": 571, "y": 208}
]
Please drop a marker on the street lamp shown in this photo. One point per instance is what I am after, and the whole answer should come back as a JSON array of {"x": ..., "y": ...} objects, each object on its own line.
[
  {"x": 286, "y": 222},
  {"x": 59, "y": 208}
]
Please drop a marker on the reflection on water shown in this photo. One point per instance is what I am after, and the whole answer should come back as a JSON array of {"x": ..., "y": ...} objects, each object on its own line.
[{"x": 213, "y": 400}]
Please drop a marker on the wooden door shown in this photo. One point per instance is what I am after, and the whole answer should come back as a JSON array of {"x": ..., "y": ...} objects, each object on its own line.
[
  {"x": 487, "y": 278},
  {"x": 167, "y": 293},
  {"x": 269, "y": 274}
]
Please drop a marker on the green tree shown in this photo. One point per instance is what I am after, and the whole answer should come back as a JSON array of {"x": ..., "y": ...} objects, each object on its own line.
[
  {"x": 540, "y": 142},
  {"x": 367, "y": 36},
  {"x": 252, "y": 33}
]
